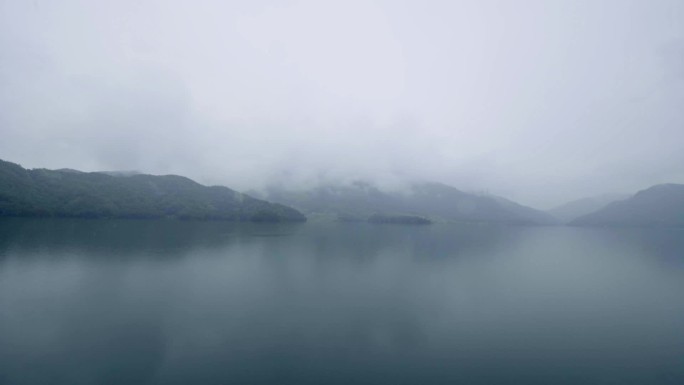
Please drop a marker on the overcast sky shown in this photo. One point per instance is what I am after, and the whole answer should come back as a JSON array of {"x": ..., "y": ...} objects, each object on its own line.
[{"x": 539, "y": 101}]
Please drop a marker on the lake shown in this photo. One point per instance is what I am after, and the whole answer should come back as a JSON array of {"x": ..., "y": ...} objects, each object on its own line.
[{"x": 170, "y": 302}]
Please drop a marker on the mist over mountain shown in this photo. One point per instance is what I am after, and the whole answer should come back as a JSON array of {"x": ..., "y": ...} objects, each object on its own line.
[
  {"x": 660, "y": 205},
  {"x": 541, "y": 102},
  {"x": 580, "y": 207},
  {"x": 130, "y": 194},
  {"x": 120, "y": 173},
  {"x": 71, "y": 193},
  {"x": 362, "y": 200}
]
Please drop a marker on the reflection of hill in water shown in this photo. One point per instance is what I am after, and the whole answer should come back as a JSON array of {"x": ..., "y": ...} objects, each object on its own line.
[
  {"x": 661, "y": 245},
  {"x": 124, "y": 238},
  {"x": 169, "y": 238},
  {"x": 352, "y": 242},
  {"x": 159, "y": 302}
]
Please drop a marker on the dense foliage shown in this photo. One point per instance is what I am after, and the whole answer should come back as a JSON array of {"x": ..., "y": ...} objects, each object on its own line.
[{"x": 70, "y": 193}]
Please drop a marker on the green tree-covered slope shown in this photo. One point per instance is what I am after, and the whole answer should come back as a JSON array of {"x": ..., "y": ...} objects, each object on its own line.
[{"x": 69, "y": 193}]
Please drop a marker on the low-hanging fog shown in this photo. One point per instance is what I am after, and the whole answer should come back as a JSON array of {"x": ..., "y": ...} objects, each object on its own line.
[{"x": 539, "y": 101}]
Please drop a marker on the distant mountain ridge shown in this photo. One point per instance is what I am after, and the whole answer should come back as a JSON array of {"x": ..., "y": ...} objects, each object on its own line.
[
  {"x": 361, "y": 200},
  {"x": 129, "y": 194},
  {"x": 72, "y": 193},
  {"x": 660, "y": 205},
  {"x": 580, "y": 207}
]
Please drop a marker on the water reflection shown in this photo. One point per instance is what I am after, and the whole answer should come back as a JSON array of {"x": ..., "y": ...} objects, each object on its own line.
[{"x": 145, "y": 302}]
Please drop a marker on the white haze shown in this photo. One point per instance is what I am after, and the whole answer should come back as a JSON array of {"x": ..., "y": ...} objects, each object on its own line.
[{"x": 539, "y": 101}]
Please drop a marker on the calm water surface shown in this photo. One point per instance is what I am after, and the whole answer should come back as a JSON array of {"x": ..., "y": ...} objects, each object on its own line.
[{"x": 163, "y": 302}]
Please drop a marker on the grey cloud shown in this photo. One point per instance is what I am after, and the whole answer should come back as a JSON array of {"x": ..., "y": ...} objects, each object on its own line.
[{"x": 539, "y": 101}]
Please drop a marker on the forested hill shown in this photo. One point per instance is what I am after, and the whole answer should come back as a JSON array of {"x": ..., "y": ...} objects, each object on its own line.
[{"x": 70, "y": 193}]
